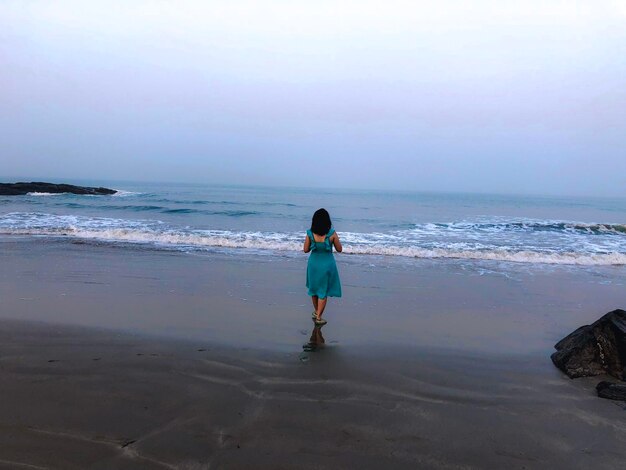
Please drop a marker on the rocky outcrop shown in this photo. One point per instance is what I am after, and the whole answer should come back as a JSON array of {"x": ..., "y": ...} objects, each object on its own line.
[
  {"x": 599, "y": 348},
  {"x": 612, "y": 391},
  {"x": 20, "y": 189}
]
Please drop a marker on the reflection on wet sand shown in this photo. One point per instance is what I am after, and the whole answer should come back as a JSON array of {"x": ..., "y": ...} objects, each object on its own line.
[{"x": 316, "y": 341}]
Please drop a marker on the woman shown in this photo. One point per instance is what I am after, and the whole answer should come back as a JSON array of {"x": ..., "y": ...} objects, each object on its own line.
[{"x": 322, "y": 277}]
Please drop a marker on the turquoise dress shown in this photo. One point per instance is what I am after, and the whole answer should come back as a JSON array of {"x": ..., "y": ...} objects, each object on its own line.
[{"x": 322, "y": 277}]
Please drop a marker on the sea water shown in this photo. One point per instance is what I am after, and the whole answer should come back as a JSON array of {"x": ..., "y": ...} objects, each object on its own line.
[{"x": 239, "y": 220}]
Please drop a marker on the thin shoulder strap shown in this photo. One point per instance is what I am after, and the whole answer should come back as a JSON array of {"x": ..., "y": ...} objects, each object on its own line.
[
  {"x": 327, "y": 244},
  {"x": 312, "y": 238}
]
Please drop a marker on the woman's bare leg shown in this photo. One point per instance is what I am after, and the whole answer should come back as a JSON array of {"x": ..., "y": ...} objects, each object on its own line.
[
  {"x": 321, "y": 305},
  {"x": 314, "y": 300}
]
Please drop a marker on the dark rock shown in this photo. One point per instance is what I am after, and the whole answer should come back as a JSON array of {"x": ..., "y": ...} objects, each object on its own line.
[
  {"x": 612, "y": 391},
  {"x": 20, "y": 189},
  {"x": 599, "y": 348}
]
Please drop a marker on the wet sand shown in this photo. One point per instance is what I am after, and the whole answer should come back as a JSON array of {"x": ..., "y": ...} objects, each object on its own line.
[
  {"x": 79, "y": 398},
  {"x": 117, "y": 358},
  {"x": 261, "y": 301}
]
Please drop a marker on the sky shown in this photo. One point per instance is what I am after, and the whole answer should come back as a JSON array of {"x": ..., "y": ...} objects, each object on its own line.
[{"x": 483, "y": 96}]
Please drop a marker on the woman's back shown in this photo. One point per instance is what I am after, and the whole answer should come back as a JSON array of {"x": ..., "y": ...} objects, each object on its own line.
[{"x": 321, "y": 244}]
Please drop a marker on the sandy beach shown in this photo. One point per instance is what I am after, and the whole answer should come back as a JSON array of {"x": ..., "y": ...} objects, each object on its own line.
[
  {"x": 113, "y": 358},
  {"x": 455, "y": 172}
]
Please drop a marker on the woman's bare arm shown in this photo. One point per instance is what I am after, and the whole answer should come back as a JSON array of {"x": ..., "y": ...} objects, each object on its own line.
[
  {"x": 337, "y": 242},
  {"x": 307, "y": 244}
]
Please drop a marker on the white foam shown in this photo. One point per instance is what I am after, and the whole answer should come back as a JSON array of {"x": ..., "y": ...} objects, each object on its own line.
[
  {"x": 159, "y": 234},
  {"x": 43, "y": 194},
  {"x": 123, "y": 193},
  {"x": 282, "y": 243},
  {"x": 522, "y": 256}
]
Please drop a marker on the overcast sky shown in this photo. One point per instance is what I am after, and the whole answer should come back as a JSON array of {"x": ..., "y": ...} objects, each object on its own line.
[{"x": 490, "y": 96}]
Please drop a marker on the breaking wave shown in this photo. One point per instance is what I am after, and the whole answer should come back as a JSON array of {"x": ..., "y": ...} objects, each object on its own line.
[{"x": 552, "y": 242}]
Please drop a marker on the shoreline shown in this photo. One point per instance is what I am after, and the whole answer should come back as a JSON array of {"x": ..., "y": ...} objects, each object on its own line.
[{"x": 243, "y": 300}]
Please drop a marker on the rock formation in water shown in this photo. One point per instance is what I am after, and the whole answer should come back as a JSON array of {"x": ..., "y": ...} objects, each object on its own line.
[
  {"x": 599, "y": 348},
  {"x": 20, "y": 189}
]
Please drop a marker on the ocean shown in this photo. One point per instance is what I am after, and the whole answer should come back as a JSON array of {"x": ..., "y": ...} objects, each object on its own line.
[{"x": 529, "y": 231}]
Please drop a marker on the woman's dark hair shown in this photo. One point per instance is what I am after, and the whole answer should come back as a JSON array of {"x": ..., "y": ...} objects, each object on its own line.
[{"x": 320, "y": 224}]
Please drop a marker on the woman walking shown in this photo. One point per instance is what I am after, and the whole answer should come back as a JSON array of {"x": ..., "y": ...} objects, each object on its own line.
[{"x": 322, "y": 277}]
